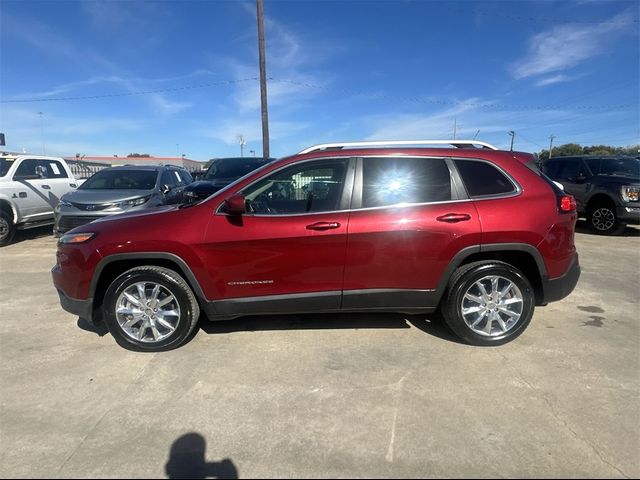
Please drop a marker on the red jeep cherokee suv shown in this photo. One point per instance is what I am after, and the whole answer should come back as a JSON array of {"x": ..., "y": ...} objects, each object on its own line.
[{"x": 366, "y": 226}]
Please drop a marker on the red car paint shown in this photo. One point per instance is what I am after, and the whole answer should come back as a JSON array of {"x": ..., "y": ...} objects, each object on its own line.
[{"x": 395, "y": 248}]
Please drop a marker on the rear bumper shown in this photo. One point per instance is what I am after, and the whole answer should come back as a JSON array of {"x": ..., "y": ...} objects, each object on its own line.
[
  {"x": 629, "y": 214},
  {"x": 557, "y": 288}
]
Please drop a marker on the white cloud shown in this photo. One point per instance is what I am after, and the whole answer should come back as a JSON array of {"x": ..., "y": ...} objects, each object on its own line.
[{"x": 566, "y": 46}]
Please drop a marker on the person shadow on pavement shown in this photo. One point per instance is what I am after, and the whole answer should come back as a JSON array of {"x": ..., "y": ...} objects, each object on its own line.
[{"x": 187, "y": 460}]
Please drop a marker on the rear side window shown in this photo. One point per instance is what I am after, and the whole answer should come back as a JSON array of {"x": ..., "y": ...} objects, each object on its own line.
[
  {"x": 389, "y": 181},
  {"x": 594, "y": 165},
  {"x": 483, "y": 179},
  {"x": 41, "y": 168}
]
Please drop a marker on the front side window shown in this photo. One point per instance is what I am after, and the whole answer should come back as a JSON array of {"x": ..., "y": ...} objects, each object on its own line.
[
  {"x": 482, "y": 179},
  {"x": 394, "y": 180},
  {"x": 309, "y": 187},
  {"x": 170, "y": 178},
  {"x": 121, "y": 180}
]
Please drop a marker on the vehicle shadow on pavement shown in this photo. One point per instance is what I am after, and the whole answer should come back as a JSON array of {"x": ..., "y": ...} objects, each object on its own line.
[
  {"x": 32, "y": 234},
  {"x": 629, "y": 231},
  {"x": 99, "y": 328},
  {"x": 431, "y": 324},
  {"x": 187, "y": 460}
]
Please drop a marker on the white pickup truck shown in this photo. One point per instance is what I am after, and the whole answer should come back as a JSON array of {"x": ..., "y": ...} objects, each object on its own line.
[{"x": 30, "y": 188}]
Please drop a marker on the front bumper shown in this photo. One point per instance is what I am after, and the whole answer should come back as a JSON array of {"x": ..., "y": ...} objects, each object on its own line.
[
  {"x": 558, "y": 288},
  {"x": 629, "y": 214},
  {"x": 81, "y": 308}
]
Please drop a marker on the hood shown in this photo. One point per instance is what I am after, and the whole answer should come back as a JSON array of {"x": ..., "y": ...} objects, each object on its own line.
[
  {"x": 138, "y": 213},
  {"x": 104, "y": 196}
]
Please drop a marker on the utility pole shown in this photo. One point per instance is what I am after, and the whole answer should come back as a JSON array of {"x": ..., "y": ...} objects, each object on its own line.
[
  {"x": 242, "y": 143},
  {"x": 177, "y": 149},
  {"x": 513, "y": 137},
  {"x": 551, "y": 137},
  {"x": 263, "y": 83},
  {"x": 42, "y": 132},
  {"x": 455, "y": 127}
]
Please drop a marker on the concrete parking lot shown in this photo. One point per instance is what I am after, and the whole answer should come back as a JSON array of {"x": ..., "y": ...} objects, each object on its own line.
[{"x": 325, "y": 396}]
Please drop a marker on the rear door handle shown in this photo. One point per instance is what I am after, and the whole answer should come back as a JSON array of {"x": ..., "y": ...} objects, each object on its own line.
[
  {"x": 454, "y": 217},
  {"x": 323, "y": 226},
  {"x": 46, "y": 187}
]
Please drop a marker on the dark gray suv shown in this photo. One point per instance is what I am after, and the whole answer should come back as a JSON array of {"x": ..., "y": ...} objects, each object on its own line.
[
  {"x": 120, "y": 189},
  {"x": 605, "y": 188}
]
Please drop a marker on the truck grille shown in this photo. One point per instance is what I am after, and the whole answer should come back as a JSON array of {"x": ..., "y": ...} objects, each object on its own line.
[{"x": 66, "y": 223}]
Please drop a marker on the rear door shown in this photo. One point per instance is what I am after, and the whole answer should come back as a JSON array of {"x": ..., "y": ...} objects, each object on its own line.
[
  {"x": 410, "y": 219},
  {"x": 41, "y": 183}
]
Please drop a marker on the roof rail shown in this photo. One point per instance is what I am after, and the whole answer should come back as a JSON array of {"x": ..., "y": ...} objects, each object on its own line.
[{"x": 453, "y": 143}]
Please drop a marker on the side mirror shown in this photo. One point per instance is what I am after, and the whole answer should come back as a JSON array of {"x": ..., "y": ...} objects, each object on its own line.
[
  {"x": 235, "y": 204},
  {"x": 165, "y": 189}
]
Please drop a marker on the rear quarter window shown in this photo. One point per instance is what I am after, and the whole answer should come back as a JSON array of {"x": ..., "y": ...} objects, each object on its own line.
[{"x": 482, "y": 179}]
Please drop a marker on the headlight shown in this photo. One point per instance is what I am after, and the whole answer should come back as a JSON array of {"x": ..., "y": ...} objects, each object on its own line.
[
  {"x": 64, "y": 203},
  {"x": 190, "y": 194},
  {"x": 630, "y": 194},
  {"x": 72, "y": 238},
  {"x": 134, "y": 202}
]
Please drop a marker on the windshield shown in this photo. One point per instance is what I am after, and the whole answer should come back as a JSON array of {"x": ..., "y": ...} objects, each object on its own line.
[
  {"x": 620, "y": 166},
  {"x": 232, "y": 167},
  {"x": 5, "y": 165},
  {"x": 121, "y": 180}
]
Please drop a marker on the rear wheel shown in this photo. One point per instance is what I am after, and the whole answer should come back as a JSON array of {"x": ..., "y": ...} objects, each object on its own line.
[
  {"x": 602, "y": 219},
  {"x": 488, "y": 303},
  {"x": 150, "y": 309},
  {"x": 7, "y": 228}
]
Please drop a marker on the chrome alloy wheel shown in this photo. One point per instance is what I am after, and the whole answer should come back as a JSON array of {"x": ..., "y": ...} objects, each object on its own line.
[
  {"x": 147, "y": 312},
  {"x": 603, "y": 219},
  {"x": 492, "y": 306}
]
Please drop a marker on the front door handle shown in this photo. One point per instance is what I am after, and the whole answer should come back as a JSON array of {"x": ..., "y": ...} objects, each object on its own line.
[
  {"x": 323, "y": 226},
  {"x": 46, "y": 187},
  {"x": 454, "y": 217}
]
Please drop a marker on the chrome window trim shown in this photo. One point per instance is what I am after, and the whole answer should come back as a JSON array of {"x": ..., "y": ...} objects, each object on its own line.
[{"x": 518, "y": 189}]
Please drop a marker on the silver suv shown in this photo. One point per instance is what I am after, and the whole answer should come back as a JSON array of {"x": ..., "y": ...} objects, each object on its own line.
[{"x": 118, "y": 190}]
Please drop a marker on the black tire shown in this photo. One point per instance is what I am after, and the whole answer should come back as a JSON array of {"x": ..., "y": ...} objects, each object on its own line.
[
  {"x": 603, "y": 220},
  {"x": 463, "y": 279},
  {"x": 175, "y": 285},
  {"x": 7, "y": 228}
]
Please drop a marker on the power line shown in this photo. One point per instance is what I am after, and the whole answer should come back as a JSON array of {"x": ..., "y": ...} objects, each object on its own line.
[
  {"x": 407, "y": 99},
  {"x": 129, "y": 94}
]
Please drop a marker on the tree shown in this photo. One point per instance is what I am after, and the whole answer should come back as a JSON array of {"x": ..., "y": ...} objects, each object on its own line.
[
  {"x": 569, "y": 149},
  {"x": 138, "y": 155}
]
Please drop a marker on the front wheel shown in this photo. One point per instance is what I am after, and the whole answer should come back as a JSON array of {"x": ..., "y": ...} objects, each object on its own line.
[
  {"x": 150, "y": 309},
  {"x": 488, "y": 303}
]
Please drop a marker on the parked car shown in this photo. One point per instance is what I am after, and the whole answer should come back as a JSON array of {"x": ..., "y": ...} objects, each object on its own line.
[
  {"x": 30, "y": 188},
  {"x": 221, "y": 173},
  {"x": 605, "y": 188},
  {"x": 120, "y": 189},
  {"x": 480, "y": 233}
]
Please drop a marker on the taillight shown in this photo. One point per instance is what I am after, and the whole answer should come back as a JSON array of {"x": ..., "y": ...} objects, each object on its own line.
[{"x": 566, "y": 204}]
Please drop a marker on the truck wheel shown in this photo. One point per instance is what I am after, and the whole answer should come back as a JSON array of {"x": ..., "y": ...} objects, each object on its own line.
[
  {"x": 488, "y": 303},
  {"x": 7, "y": 228},
  {"x": 602, "y": 219},
  {"x": 150, "y": 309}
]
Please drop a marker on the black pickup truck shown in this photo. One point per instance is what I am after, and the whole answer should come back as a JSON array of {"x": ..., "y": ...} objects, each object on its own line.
[{"x": 605, "y": 188}]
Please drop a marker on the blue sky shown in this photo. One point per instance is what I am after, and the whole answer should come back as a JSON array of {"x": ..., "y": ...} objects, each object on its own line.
[{"x": 181, "y": 75}]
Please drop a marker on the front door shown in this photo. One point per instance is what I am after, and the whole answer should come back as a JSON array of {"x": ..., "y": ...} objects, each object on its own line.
[{"x": 287, "y": 252}]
